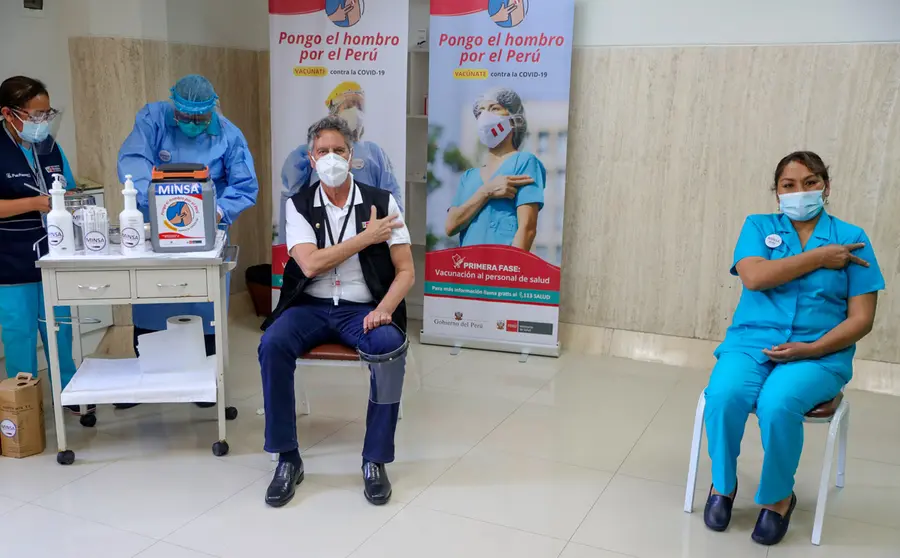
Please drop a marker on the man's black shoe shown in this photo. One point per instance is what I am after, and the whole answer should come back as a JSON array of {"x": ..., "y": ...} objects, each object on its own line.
[
  {"x": 284, "y": 483},
  {"x": 377, "y": 484}
]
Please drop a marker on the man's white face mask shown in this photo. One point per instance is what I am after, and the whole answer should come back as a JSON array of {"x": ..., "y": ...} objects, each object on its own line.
[{"x": 332, "y": 169}]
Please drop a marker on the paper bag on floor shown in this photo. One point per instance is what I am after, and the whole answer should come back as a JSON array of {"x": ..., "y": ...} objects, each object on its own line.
[{"x": 22, "y": 417}]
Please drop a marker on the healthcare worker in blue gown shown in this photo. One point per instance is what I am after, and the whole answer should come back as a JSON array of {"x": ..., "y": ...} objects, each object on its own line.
[
  {"x": 811, "y": 284},
  {"x": 188, "y": 129},
  {"x": 370, "y": 163},
  {"x": 499, "y": 202},
  {"x": 29, "y": 157}
]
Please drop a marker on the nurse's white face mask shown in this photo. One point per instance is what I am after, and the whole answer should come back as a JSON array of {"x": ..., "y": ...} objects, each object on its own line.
[
  {"x": 333, "y": 169},
  {"x": 493, "y": 128}
]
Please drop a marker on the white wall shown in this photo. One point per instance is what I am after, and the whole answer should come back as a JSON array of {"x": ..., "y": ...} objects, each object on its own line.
[
  {"x": 33, "y": 44},
  {"x": 699, "y": 22},
  {"x": 225, "y": 23}
]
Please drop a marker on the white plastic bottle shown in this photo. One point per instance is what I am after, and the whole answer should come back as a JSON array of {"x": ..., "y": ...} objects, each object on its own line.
[
  {"x": 60, "y": 226},
  {"x": 131, "y": 221}
]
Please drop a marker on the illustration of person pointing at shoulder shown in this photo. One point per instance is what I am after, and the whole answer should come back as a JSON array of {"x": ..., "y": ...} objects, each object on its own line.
[
  {"x": 345, "y": 13},
  {"x": 507, "y": 13}
]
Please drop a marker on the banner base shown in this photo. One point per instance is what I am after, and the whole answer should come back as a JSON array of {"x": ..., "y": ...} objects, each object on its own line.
[{"x": 524, "y": 349}]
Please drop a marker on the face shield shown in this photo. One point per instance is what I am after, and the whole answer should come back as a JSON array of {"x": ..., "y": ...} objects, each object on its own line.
[
  {"x": 194, "y": 102},
  {"x": 350, "y": 106},
  {"x": 37, "y": 129},
  {"x": 389, "y": 372}
]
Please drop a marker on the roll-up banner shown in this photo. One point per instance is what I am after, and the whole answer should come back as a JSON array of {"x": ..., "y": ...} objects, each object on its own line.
[
  {"x": 343, "y": 57},
  {"x": 498, "y": 100}
]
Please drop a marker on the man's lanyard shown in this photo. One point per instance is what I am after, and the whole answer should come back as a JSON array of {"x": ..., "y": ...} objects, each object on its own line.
[
  {"x": 336, "y": 289},
  {"x": 328, "y": 221}
]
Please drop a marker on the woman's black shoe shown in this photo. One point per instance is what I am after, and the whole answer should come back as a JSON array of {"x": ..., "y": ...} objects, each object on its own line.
[
  {"x": 717, "y": 514},
  {"x": 771, "y": 527}
]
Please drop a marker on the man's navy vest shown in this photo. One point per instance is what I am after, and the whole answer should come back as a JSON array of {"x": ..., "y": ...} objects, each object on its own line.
[
  {"x": 19, "y": 234},
  {"x": 377, "y": 266}
]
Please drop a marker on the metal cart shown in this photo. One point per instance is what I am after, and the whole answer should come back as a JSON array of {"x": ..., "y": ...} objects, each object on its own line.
[{"x": 150, "y": 278}]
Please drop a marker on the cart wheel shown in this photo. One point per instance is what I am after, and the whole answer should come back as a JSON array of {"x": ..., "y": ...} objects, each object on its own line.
[
  {"x": 220, "y": 448},
  {"x": 89, "y": 420},
  {"x": 65, "y": 457},
  {"x": 231, "y": 413}
]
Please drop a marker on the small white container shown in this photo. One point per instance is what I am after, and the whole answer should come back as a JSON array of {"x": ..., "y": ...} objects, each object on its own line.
[{"x": 95, "y": 224}]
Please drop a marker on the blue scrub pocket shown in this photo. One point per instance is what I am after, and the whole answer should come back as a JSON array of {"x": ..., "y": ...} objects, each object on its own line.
[
  {"x": 832, "y": 282},
  {"x": 506, "y": 229}
]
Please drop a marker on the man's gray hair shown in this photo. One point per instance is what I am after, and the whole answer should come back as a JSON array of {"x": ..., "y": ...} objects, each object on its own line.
[{"x": 331, "y": 122}]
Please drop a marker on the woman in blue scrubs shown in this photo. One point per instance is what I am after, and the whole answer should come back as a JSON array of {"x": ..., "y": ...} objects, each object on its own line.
[
  {"x": 499, "y": 203},
  {"x": 810, "y": 290},
  {"x": 188, "y": 129},
  {"x": 29, "y": 159}
]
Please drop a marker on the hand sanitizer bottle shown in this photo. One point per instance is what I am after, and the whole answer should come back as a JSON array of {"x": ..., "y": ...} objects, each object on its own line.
[
  {"x": 131, "y": 221},
  {"x": 60, "y": 226}
]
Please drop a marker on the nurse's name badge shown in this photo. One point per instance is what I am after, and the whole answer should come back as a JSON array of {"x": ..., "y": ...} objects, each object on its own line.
[
  {"x": 165, "y": 156},
  {"x": 773, "y": 241},
  {"x": 357, "y": 164}
]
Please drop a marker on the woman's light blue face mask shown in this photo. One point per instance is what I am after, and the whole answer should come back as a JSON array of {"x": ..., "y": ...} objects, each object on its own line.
[{"x": 802, "y": 206}]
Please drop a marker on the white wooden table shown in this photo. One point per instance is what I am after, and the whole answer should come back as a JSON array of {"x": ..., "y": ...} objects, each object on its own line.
[{"x": 150, "y": 278}]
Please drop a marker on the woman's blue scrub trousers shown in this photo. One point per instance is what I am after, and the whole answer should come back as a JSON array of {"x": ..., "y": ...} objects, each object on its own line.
[
  {"x": 21, "y": 309},
  {"x": 781, "y": 394}
]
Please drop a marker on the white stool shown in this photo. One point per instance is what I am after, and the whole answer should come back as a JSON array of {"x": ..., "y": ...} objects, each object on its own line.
[
  {"x": 836, "y": 412},
  {"x": 330, "y": 354}
]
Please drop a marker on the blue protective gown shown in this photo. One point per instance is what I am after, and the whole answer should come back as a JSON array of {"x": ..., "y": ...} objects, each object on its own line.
[
  {"x": 22, "y": 312},
  {"x": 744, "y": 380},
  {"x": 369, "y": 165},
  {"x": 498, "y": 221},
  {"x": 157, "y": 140}
]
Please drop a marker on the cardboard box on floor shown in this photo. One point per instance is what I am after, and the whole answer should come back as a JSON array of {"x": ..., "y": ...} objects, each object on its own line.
[{"x": 22, "y": 417}]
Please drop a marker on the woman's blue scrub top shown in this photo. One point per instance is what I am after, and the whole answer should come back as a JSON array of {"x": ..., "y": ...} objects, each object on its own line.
[
  {"x": 808, "y": 307},
  {"x": 497, "y": 222}
]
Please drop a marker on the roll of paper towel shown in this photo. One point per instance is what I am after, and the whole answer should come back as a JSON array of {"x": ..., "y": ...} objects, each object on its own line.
[{"x": 180, "y": 347}]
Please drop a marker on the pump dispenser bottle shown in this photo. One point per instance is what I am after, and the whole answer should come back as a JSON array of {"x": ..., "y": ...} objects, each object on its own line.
[
  {"x": 60, "y": 226},
  {"x": 131, "y": 221}
]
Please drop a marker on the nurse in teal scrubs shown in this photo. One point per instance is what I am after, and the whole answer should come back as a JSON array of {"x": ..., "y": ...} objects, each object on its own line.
[
  {"x": 499, "y": 203},
  {"x": 811, "y": 284}
]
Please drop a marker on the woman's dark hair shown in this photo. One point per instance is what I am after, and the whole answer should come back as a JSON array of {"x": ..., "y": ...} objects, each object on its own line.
[
  {"x": 16, "y": 92},
  {"x": 806, "y": 158}
]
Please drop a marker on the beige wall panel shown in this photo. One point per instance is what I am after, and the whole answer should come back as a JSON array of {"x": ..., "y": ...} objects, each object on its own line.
[{"x": 671, "y": 148}]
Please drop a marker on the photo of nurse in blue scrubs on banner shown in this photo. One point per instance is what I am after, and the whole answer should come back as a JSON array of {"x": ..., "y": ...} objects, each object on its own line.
[
  {"x": 498, "y": 131},
  {"x": 499, "y": 202}
]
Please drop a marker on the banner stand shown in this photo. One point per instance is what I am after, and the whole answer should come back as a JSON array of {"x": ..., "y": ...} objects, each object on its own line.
[
  {"x": 344, "y": 58},
  {"x": 499, "y": 84},
  {"x": 524, "y": 350}
]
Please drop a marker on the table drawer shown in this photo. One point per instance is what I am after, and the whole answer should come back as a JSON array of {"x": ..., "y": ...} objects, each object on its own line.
[
  {"x": 86, "y": 285},
  {"x": 171, "y": 283}
]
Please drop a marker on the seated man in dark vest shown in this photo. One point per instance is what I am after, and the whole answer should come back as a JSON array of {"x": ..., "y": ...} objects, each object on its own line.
[{"x": 350, "y": 269}]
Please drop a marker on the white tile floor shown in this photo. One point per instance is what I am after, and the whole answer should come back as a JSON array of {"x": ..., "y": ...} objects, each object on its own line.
[{"x": 577, "y": 457}]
